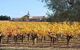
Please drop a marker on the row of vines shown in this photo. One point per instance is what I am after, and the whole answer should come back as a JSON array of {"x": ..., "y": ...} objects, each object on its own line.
[{"x": 35, "y": 30}]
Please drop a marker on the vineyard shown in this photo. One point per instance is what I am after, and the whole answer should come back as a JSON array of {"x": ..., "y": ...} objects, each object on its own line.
[{"x": 55, "y": 34}]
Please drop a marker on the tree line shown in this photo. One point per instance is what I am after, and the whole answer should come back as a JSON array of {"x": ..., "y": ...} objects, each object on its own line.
[{"x": 4, "y": 17}]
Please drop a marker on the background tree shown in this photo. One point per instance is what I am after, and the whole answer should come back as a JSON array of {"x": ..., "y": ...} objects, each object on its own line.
[
  {"x": 63, "y": 10},
  {"x": 2, "y": 17}
]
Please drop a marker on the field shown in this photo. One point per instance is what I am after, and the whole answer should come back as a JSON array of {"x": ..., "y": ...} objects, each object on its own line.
[{"x": 40, "y": 35}]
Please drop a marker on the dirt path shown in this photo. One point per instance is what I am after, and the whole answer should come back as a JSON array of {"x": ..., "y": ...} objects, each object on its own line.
[{"x": 26, "y": 48}]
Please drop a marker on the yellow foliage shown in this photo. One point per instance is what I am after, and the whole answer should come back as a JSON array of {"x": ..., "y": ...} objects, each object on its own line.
[{"x": 41, "y": 28}]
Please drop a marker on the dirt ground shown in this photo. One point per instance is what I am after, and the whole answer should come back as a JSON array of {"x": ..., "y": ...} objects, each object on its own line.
[
  {"x": 45, "y": 45},
  {"x": 26, "y": 48}
]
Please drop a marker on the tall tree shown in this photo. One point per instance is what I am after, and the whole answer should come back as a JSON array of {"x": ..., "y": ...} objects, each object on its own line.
[{"x": 63, "y": 10}]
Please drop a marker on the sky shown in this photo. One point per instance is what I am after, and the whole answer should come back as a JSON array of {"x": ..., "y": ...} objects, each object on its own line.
[{"x": 19, "y": 8}]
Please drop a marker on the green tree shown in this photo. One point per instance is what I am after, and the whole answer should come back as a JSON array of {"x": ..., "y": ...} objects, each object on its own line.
[
  {"x": 2, "y": 17},
  {"x": 63, "y": 10}
]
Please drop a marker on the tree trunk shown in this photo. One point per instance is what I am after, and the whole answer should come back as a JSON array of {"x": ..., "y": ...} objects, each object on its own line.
[
  {"x": 7, "y": 39},
  {"x": 33, "y": 40},
  {"x": 51, "y": 41},
  {"x": 22, "y": 38},
  {"x": 68, "y": 39},
  {"x": 15, "y": 39},
  {"x": 28, "y": 35},
  {"x": 0, "y": 39}
]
